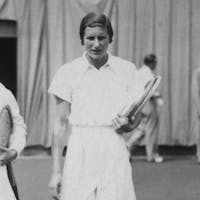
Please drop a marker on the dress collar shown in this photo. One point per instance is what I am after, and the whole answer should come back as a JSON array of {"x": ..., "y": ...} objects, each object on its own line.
[{"x": 88, "y": 66}]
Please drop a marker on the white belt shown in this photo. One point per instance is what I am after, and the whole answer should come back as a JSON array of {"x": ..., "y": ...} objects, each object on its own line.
[{"x": 91, "y": 126}]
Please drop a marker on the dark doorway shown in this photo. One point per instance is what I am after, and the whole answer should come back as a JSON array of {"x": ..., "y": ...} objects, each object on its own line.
[
  {"x": 8, "y": 55},
  {"x": 8, "y": 63}
]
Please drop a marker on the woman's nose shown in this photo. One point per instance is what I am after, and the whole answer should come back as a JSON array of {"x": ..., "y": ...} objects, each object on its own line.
[{"x": 96, "y": 43}]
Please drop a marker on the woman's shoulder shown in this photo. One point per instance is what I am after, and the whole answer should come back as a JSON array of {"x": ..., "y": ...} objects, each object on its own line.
[
  {"x": 3, "y": 88},
  {"x": 121, "y": 60},
  {"x": 122, "y": 65},
  {"x": 6, "y": 94},
  {"x": 73, "y": 66}
]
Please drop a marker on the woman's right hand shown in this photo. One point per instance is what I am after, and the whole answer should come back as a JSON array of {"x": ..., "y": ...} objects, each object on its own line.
[
  {"x": 55, "y": 186},
  {"x": 7, "y": 156}
]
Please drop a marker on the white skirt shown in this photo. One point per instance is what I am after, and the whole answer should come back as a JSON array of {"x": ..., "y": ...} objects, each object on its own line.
[
  {"x": 6, "y": 192},
  {"x": 97, "y": 165}
]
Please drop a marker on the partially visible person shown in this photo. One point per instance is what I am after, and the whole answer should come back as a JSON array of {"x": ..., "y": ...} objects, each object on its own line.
[
  {"x": 90, "y": 92},
  {"x": 196, "y": 101},
  {"x": 149, "y": 125},
  {"x": 17, "y": 142}
]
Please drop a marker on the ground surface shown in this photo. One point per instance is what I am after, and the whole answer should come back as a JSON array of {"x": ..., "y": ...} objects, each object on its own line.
[{"x": 176, "y": 179}]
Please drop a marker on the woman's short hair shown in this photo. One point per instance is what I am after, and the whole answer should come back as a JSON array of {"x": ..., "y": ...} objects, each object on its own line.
[
  {"x": 149, "y": 59},
  {"x": 94, "y": 19}
]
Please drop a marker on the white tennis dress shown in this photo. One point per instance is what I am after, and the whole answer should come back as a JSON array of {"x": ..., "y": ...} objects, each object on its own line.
[
  {"x": 6, "y": 192},
  {"x": 17, "y": 140},
  {"x": 97, "y": 162}
]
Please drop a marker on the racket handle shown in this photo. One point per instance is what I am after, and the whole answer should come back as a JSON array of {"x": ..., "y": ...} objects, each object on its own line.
[{"x": 3, "y": 148}]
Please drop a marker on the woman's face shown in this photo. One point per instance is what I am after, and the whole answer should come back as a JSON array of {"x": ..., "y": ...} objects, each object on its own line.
[{"x": 96, "y": 41}]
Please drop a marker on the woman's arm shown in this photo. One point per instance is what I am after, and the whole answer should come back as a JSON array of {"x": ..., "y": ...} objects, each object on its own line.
[
  {"x": 124, "y": 125},
  {"x": 58, "y": 143},
  {"x": 17, "y": 139}
]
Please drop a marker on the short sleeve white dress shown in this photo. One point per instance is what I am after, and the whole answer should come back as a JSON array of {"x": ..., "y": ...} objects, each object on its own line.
[
  {"x": 97, "y": 163},
  {"x": 17, "y": 140}
]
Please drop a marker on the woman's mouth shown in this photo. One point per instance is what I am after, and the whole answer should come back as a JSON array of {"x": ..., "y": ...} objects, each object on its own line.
[{"x": 96, "y": 51}]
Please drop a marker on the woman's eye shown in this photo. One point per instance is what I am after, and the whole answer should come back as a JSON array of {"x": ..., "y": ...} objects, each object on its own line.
[
  {"x": 90, "y": 38},
  {"x": 101, "y": 38}
]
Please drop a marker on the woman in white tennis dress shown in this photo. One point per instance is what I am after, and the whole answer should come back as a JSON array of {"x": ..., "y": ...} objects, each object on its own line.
[
  {"x": 90, "y": 92},
  {"x": 16, "y": 143}
]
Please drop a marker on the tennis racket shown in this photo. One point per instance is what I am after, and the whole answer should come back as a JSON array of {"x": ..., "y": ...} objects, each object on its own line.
[
  {"x": 150, "y": 88},
  {"x": 135, "y": 108},
  {"x": 6, "y": 129}
]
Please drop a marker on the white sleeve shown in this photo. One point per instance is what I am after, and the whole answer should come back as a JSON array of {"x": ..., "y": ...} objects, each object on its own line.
[
  {"x": 61, "y": 84},
  {"x": 18, "y": 137}
]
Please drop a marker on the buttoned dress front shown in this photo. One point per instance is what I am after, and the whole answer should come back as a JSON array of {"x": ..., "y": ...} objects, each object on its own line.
[
  {"x": 17, "y": 139},
  {"x": 97, "y": 161}
]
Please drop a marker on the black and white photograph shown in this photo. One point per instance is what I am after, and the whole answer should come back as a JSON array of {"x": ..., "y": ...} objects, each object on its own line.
[{"x": 99, "y": 99}]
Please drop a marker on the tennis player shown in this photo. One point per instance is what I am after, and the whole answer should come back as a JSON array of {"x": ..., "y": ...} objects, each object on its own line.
[
  {"x": 16, "y": 142},
  {"x": 89, "y": 93}
]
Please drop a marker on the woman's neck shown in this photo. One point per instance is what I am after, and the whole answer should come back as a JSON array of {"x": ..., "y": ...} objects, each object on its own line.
[{"x": 98, "y": 63}]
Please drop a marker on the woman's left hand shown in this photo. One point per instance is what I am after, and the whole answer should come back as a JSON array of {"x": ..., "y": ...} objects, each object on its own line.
[
  {"x": 7, "y": 156},
  {"x": 123, "y": 124}
]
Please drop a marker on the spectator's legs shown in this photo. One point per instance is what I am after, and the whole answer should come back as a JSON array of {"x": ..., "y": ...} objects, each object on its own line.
[{"x": 151, "y": 131}]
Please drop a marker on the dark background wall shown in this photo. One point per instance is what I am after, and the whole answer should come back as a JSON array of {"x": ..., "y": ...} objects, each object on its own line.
[{"x": 8, "y": 55}]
